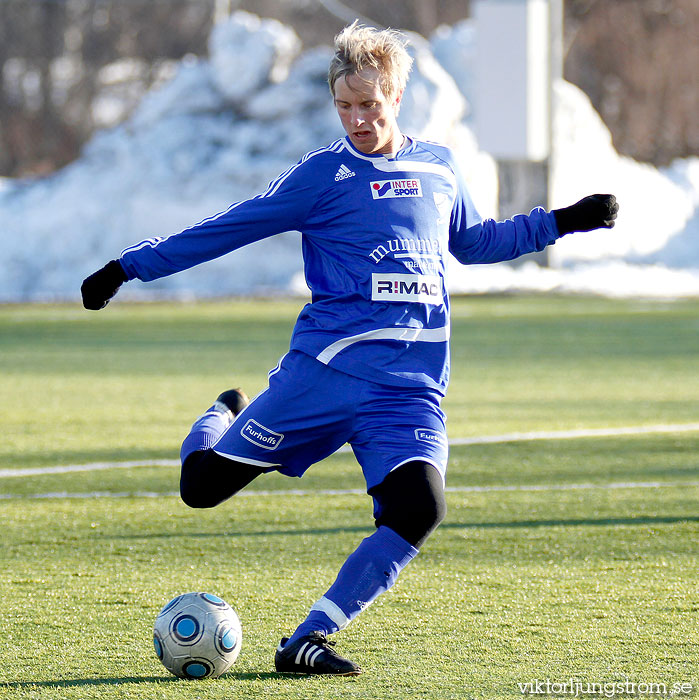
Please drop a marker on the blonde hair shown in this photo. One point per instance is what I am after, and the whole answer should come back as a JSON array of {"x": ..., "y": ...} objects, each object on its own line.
[{"x": 358, "y": 47}]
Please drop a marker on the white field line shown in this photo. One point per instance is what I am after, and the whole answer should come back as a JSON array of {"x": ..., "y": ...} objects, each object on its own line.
[
  {"x": 91, "y": 467},
  {"x": 573, "y": 434},
  {"x": 478, "y": 440},
  {"x": 285, "y": 493}
]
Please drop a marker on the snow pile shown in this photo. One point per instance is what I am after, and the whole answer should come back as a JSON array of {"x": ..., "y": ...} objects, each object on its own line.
[
  {"x": 223, "y": 127},
  {"x": 232, "y": 44},
  {"x": 653, "y": 251}
]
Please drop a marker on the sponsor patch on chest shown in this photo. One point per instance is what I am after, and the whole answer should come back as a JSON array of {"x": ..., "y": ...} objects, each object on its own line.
[
  {"x": 425, "y": 289},
  {"x": 389, "y": 189}
]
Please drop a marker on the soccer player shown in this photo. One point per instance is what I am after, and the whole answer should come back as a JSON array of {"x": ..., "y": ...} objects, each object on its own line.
[{"x": 368, "y": 362}]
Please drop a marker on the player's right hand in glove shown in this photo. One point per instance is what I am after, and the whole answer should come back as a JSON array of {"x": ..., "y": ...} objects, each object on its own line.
[
  {"x": 595, "y": 211},
  {"x": 99, "y": 288}
]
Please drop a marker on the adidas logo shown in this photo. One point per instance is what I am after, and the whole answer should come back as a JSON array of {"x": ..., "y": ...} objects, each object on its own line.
[
  {"x": 343, "y": 173},
  {"x": 312, "y": 652}
]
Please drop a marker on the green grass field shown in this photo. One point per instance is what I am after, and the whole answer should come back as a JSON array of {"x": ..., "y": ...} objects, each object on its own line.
[{"x": 560, "y": 559}]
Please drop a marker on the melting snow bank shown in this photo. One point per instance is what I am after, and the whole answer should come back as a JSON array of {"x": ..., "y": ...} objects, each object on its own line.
[{"x": 224, "y": 126}]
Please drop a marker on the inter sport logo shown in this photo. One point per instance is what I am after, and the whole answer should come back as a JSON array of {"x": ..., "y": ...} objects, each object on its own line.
[
  {"x": 380, "y": 189},
  {"x": 387, "y": 189},
  {"x": 259, "y": 435}
]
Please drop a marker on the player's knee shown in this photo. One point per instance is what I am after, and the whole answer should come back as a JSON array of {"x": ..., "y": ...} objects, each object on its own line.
[
  {"x": 193, "y": 492},
  {"x": 411, "y": 502},
  {"x": 415, "y": 519},
  {"x": 435, "y": 510},
  {"x": 208, "y": 479},
  {"x": 196, "y": 497},
  {"x": 427, "y": 510}
]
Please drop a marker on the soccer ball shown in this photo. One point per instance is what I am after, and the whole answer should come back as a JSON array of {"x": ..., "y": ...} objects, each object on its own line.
[{"x": 197, "y": 635}]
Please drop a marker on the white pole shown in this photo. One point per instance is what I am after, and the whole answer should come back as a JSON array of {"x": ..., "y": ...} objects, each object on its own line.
[
  {"x": 555, "y": 75},
  {"x": 223, "y": 9}
]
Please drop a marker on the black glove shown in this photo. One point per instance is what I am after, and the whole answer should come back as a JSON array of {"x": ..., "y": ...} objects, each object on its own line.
[
  {"x": 595, "y": 211},
  {"x": 101, "y": 286}
]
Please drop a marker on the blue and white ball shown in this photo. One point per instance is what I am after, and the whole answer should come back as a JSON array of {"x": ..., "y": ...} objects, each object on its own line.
[{"x": 197, "y": 635}]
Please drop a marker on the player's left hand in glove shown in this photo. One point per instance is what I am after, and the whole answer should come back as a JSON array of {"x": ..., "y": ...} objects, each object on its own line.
[
  {"x": 99, "y": 288},
  {"x": 594, "y": 211}
]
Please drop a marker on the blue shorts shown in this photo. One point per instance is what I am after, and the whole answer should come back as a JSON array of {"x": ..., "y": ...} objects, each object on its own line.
[{"x": 310, "y": 410}]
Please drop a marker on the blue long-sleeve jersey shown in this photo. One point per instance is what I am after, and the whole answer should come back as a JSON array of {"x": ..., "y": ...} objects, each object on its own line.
[{"x": 375, "y": 233}]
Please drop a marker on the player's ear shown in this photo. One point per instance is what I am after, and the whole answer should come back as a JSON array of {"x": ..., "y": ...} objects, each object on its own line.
[{"x": 397, "y": 100}]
